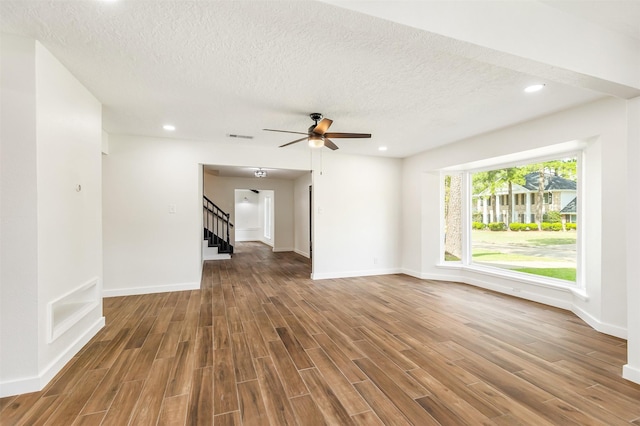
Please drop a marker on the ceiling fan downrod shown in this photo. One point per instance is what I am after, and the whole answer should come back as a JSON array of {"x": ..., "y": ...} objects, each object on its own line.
[{"x": 316, "y": 116}]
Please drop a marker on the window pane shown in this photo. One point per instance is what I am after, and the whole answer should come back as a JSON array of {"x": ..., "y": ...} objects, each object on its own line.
[
  {"x": 453, "y": 218},
  {"x": 536, "y": 235}
]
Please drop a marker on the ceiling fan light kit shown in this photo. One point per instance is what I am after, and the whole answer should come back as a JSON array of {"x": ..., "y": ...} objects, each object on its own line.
[
  {"x": 316, "y": 141},
  {"x": 317, "y": 135}
]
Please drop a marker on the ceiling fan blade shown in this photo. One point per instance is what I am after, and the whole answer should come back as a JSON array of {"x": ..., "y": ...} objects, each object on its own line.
[
  {"x": 347, "y": 135},
  {"x": 322, "y": 126},
  {"x": 330, "y": 144},
  {"x": 285, "y": 131},
  {"x": 296, "y": 141}
]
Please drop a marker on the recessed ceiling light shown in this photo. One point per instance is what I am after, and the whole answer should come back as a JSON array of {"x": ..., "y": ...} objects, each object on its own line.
[
  {"x": 382, "y": 148},
  {"x": 534, "y": 88},
  {"x": 169, "y": 127}
]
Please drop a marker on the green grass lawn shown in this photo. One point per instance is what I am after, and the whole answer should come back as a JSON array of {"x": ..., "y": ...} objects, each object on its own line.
[
  {"x": 487, "y": 256},
  {"x": 551, "y": 241},
  {"x": 448, "y": 257},
  {"x": 568, "y": 274},
  {"x": 539, "y": 258},
  {"x": 527, "y": 238}
]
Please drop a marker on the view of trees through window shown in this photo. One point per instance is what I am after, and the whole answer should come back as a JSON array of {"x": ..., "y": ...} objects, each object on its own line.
[
  {"x": 523, "y": 218},
  {"x": 453, "y": 217}
]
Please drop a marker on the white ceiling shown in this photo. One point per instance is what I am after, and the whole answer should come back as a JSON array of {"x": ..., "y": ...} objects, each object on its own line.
[
  {"x": 621, "y": 16},
  {"x": 214, "y": 68}
]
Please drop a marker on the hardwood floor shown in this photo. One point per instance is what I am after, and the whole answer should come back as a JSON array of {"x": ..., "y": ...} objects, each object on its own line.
[{"x": 262, "y": 344}]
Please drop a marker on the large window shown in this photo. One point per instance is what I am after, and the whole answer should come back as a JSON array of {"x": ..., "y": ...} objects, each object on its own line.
[{"x": 523, "y": 219}]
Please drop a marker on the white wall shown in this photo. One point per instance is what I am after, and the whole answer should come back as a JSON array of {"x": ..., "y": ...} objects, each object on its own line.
[
  {"x": 356, "y": 217},
  {"x": 69, "y": 128},
  {"x": 18, "y": 218},
  {"x": 632, "y": 369},
  {"x": 247, "y": 220},
  {"x": 603, "y": 123},
  {"x": 54, "y": 237},
  {"x": 146, "y": 249}
]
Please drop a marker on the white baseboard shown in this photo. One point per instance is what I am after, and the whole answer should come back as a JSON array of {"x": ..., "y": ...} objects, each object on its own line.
[
  {"x": 518, "y": 292},
  {"x": 302, "y": 253},
  {"x": 511, "y": 291},
  {"x": 281, "y": 249},
  {"x": 597, "y": 325},
  {"x": 132, "y": 291},
  {"x": 435, "y": 277},
  {"x": 37, "y": 383},
  {"x": 411, "y": 273},
  {"x": 600, "y": 326},
  {"x": 266, "y": 242},
  {"x": 351, "y": 274},
  {"x": 631, "y": 373}
]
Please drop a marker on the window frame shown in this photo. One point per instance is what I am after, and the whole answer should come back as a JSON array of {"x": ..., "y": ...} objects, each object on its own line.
[{"x": 466, "y": 262}]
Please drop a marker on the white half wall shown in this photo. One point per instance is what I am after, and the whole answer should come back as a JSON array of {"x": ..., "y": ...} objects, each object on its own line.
[
  {"x": 69, "y": 126},
  {"x": 19, "y": 216},
  {"x": 55, "y": 147}
]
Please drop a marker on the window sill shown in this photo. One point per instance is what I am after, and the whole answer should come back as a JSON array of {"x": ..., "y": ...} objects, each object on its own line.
[{"x": 539, "y": 281}]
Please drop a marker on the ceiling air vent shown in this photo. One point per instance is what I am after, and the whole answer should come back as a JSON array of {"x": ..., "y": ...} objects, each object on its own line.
[{"x": 231, "y": 135}]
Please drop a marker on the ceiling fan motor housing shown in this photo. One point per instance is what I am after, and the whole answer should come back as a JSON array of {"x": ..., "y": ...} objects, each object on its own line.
[{"x": 316, "y": 116}]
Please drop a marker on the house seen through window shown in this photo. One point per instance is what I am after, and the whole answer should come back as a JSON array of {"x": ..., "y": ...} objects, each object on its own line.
[{"x": 523, "y": 219}]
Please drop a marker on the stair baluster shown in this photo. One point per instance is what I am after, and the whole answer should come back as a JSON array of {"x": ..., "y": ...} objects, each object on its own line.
[{"x": 217, "y": 226}]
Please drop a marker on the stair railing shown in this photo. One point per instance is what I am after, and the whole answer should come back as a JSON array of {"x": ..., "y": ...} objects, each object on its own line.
[{"x": 216, "y": 223}]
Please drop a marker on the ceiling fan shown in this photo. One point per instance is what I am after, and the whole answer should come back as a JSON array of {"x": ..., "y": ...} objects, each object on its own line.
[{"x": 318, "y": 135}]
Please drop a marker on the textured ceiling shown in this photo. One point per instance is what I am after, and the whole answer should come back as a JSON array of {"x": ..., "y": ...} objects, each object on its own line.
[{"x": 214, "y": 68}]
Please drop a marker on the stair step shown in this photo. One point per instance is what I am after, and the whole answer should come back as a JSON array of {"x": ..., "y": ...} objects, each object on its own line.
[{"x": 213, "y": 253}]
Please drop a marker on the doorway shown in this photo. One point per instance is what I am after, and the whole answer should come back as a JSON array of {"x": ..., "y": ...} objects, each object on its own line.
[
  {"x": 254, "y": 215},
  {"x": 310, "y": 222}
]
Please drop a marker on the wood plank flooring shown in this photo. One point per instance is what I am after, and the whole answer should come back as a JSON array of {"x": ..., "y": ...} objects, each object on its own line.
[{"x": 262, "y": 344}]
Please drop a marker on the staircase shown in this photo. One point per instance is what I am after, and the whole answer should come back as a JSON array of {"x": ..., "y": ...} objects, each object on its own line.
[{"x": 217, "y": 243}]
